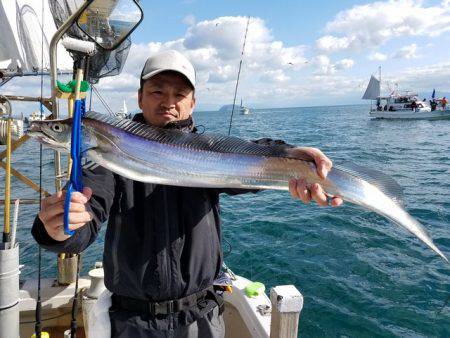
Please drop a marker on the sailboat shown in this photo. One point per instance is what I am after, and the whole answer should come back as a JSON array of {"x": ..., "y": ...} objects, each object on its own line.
[
  {"x": 248, "y": 312},
  {"x": 244, "y": 110},
  {"x": 400, "y": 105},
  {"x": 123, "y": 112}
]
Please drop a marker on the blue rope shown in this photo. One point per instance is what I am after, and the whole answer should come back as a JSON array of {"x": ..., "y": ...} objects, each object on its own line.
[{"x": 76, "y": 178}]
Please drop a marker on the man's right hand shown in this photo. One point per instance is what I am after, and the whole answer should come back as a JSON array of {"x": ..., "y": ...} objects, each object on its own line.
[{"x": 52, "y": 213}]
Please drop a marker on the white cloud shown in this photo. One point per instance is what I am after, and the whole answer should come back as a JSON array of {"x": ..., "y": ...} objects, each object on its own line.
[
  {"x": 330, "y": 44},
  {"x": 226, "y": 35},
  {"x": 128, "y": 82},
  {"x": 377, "y": 57},
  {"x": 344, "y": 64},
  {"x": 371, "y": 25},
  {"x": 424, "y": 79},
  {"x": 223, "y": 74},
  {"x": 324, "y": 66},
  {"x": 406, "y": 52},
  {"x": 277, "y": 75},
  {"x": 214, "y": 47},
  {"x": 189, "y": 20}
]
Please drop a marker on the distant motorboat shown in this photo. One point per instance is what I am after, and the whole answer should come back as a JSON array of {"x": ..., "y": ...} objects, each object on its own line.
[
  {"x": 405, "y": 105},
  {"x": 34, "y": 116}
]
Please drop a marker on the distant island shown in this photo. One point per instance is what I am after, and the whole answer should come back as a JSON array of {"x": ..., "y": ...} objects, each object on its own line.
[{"x": 228, "y": 108}]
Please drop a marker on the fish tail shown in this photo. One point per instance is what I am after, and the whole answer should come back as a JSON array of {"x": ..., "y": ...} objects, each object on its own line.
[{"x": 400, "y": 216}]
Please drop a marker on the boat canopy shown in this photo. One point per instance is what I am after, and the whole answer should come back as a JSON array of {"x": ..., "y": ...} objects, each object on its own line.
[
  {"x": 373, "y": 89},
  {"x": 21, "y": 24}
]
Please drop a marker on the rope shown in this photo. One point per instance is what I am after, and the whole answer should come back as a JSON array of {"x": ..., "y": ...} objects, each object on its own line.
[
  {"x": 102, "y": 100},
  {"x": 239, "y": 73}
]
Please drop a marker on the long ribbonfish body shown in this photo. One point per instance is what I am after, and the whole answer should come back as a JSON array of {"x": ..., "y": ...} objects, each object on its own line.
[{"x": 164, "y": 156}]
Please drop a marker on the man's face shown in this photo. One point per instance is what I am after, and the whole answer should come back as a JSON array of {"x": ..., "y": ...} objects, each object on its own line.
[{"x": 165, "y": 98}]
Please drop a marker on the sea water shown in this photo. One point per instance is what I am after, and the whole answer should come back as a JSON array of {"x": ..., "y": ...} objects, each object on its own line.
[{"x": 360, "y": 274}]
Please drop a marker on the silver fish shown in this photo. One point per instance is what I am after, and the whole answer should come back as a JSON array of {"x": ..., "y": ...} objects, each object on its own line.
[{"x": 150, "y": 154}]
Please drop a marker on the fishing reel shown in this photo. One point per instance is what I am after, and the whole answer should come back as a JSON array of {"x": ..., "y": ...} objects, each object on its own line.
[{"x": 5, "y": 106}]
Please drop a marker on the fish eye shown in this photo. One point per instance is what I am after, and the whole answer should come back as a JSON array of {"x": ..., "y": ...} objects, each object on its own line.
[{"x": 57, "y": 127}]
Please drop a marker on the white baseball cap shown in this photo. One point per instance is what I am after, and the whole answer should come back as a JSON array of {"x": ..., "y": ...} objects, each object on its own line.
[{"x": 168, "y": 60}]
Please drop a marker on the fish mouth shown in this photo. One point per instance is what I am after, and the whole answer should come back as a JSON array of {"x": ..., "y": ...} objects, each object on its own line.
[
  {"x": 33, "y": 128},
  {"x": 45, "y": 140}
]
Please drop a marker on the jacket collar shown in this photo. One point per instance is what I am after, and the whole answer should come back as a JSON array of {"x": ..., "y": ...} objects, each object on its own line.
[{"x": 183, "y": 125}]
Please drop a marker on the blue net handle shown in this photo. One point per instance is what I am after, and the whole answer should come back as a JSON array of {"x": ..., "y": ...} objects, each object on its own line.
[{"x": 76, "y": 180}]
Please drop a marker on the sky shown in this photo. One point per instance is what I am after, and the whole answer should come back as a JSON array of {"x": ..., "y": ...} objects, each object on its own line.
[{"x": 297, "y": 53}]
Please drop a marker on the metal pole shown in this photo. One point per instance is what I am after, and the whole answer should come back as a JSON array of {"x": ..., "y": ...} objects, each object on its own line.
[
  {"x": 54, "y": 77},
  {"x": 379, "y": 71},
  {"x": 6, "y": 220}
]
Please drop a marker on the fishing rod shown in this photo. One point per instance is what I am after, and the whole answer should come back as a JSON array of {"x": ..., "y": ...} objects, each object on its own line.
[
  {"x": 238, "y": 75},
  {"x": 38, "y": 310},
  {"x": 229, "y": 132}
]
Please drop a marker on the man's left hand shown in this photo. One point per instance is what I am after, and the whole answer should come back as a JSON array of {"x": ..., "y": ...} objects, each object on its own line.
[{"x": 299, "y": 189}]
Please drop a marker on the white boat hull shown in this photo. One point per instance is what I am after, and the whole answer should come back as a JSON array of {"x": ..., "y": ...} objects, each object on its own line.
[
  {"x": 245, "y": 111},
  {"x": 411, "y": 115},
  {"x": 241, "y": 315}
]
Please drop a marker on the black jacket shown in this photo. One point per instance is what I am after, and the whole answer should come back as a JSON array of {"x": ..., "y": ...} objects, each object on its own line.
[{"x": 162, "y": 242}]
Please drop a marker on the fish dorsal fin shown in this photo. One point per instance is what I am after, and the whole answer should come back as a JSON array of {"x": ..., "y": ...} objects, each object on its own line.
[
  {"x": 384, "y": 182},
  {"x": 204, "y": 142}
]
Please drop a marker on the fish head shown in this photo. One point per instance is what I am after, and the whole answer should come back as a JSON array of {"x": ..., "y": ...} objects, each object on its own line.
[{"x": 55, "y": 134}]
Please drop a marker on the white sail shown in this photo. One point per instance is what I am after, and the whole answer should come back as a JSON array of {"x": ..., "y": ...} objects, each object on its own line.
[
  {"x": 21, "y": 27},
  {"x": 373, "y": 89}
]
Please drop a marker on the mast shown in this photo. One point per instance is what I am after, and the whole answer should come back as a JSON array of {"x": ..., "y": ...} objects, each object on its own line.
[
  {"x": 379, "y": 77},
  {"x": 125, "y": 109},
  {"x": 379, "y": 73}
]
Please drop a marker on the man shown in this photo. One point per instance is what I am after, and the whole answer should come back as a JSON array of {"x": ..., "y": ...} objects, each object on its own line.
[
  {"x": 162, "y": 246},
  {"x": 444, "y": 103}
]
